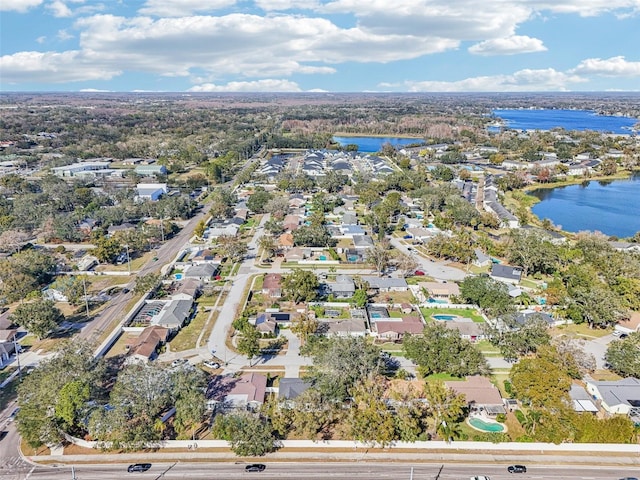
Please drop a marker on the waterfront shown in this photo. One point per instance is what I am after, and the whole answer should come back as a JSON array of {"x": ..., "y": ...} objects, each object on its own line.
[
  {"x": 611, "y": 207},
  {"x": 547, "y": 119},
  {"x": 374, "y": 144}
]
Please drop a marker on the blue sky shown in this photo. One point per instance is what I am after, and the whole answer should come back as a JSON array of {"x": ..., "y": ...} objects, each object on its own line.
[{"x": 320, "y": 45}]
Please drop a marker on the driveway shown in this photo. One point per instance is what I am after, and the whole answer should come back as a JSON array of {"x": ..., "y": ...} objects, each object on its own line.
[
  {"x": 437, "y": 270},
  {"x": 598, "y": 347}
]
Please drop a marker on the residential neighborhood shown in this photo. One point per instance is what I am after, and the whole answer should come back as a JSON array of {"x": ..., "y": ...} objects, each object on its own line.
[{"x": 318, "y": 294}]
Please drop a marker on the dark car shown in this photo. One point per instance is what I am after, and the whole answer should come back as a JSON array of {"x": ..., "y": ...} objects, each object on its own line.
[
  {"x": 139, "y": 467},
  {"x": 255, "y": 467},
  {"x": 629, "y": 478},
  {"x": 517, "y": 469}
]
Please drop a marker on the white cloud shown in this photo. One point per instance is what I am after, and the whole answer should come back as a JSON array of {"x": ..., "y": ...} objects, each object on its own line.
[
  {"x": 52, "y": 67},
  {"x": 265, "y": 85},
  {"x": 610, "y": 67},
  {"x": 526, "y": 80},
  {"x": 59, "y": 9},
  {"x": 93, "y": 90},
  {"x": 282, "y": 5},
  {"x": 64, "y": 35},
  {"x": 18, "y": 5},
  {"x": 182, "y": 8},
  {"x": 512, "y": 45},
  {"x": 247, "y": 45},
  {"x": 41, "y": 39}
]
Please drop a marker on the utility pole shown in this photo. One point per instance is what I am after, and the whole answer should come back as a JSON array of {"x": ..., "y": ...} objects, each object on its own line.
[
  {"x": 73, "y": 473},
  {"x": 86, "y": 300},
  {"x": 15, "y": 349},
  {"x": 128, "y": 258}
]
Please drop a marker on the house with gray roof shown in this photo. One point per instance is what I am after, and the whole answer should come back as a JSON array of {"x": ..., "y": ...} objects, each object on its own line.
[
  {"x": 343, "y": 287},
  {"x": 291, "y": 388},
  {"x": 621, "y": 397},
  {"x": 582, "y": 401},
  {"x": 481, "y": 258},
  {"x": 385, "y": 284},
  {"x": 173, "y": 314},
  {"x": 203, "y": 272},
  {"x": 362, "y": 242},
  {"x": 506, "y": 273}
]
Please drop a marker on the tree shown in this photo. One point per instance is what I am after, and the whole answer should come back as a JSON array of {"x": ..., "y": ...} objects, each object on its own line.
[
  {"x": 273, "y": 226},
  {"x": 379, "y": 257},
  {"x": 301, "y": 285},
  {"x": 146, "y": 283},
  {"x": 268, "y": 244},
  {"x": 200, "y": 228},
  {"x": 278, "y": 207},
  {"x": 39, "y": 318},
  {"x": 370, "y": 419},
  {"x": 360, "y": 298},
  {"x": 304, "y": 326},
  {"x": 573, "y": 357},
  {"x": 189, "y": 388},
  {"x": 489, "y": 294},
  {"x": 249, "y": 434},
  {"x": 532, "y": 251},
  {"x": 258, "y": 200},
  {"x": 519, "y": 340},
  {"x": 440, "y": 350},
  {"x": 249, "y": 343},
  {"x": 541, "y": 381},
  {"x": 445, "y": 408},
  {"x": 230, "y": 247},
  {"x": 313, "y": 236},
  {"x": 623, "y": 355},
  {"x": 407, "y": 264},
  {"x": 53, "y": 397},
  {"x": 340, "y": 363}
]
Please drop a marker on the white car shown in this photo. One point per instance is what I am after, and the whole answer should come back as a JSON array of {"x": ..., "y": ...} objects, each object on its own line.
[{"x": 481, "y": 477}]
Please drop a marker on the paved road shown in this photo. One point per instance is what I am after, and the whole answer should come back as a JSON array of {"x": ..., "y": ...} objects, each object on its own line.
[
  {"x": 164, "y": 254},
  {"x": 437, "y": 270},
  {"x": 11, "y": 462},
  {"x": 338, "y": 471}
]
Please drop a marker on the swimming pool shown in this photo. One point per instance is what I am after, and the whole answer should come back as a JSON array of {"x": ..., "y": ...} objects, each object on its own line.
[
  {"x": 376, "y": 315},
  {"x": 434, "y": 300},
  {"x": 444, "y": 317},
  {"x": 479, "y": 424}
]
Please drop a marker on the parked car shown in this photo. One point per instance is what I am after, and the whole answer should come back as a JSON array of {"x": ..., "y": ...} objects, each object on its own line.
[
  {"x": 480, "y": 477},
  {"x": 629, "y": 478},
  {"x": 517, "y": 469},
  {"x": 139, "y": 467},
  {"x": 255, "y": 467},
  {"x": 419, "y": 273},
  {"x": 12, "y": 417},
  {"x": 213, "y": 365}
]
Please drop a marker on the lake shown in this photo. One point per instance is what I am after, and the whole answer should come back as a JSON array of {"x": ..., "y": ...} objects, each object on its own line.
[
  {"x": 611, "y": 207},
  {"x": 374, "y": 144},
  {"x": 547, "y": 119}
]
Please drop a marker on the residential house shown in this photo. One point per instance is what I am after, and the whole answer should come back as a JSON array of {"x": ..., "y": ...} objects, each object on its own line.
[
  {"x": 174, "y": 314},
  {"x": 90, "y": 169},
  {"x": 264, "y": 323},
  {"x": 394, "y": 329},
  {"x": 440, "y": 290},
  {"x": 244, "y": 392},
  {"x": 421, "y": 234},
  {"x": 355, "y": 327},
  {"x": 291, "y": 223},
  {"x": 190, "y": 287},
  {"x": 629, "y": 325},
  {"x": 362, "y": 242},
  {"x": 295, "y": 254},
  {"x": 529, "y": 315},
  {"x": 272, "y": 285},
  {"x": 144, "y": 348},
  {"x": 468, "y": 329},
  {"x": 481, "y": 259},
  {"x": 285, "y": 241},
  {"x": 124, "y": 227},
  {"x": 507, "y": 219},
  {"x": 506, "y": 273},
  {"x": 291, "y": 388},
  {"x": 202, "y": 272},
  {"x": 343, "y": 287},
  {"x": 582, "y": 401},
  {"x": 480, "y": 394},
  {"x": 384, "y": 284},
  {"x": 621, "y": 397},
  {"x": 626, "y": 246},
  {"x": 223, "y": 229}
]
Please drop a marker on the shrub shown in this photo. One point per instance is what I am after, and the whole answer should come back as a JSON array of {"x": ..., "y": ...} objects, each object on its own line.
[
  {"x": 508, "y": 387},
  {"x": 501, "y": 417},
  {"x": 520, "y": 416}
]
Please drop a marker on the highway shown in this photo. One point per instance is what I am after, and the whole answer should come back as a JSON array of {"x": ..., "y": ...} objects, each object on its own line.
[{"x": 305, "y": 470}]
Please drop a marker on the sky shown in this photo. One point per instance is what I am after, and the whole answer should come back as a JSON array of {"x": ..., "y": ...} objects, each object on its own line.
[{"x": 320, "y": 45}]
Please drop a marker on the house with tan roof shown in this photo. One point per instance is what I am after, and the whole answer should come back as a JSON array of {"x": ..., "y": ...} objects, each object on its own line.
[
  {"x": 394, "y": 329},
  {"x": 439, "y": 290},
  {"x": 144, "y": 348},
  {"x": 480, "y": 393},
  {"x": 285, "y": 241},
  {"x": 629, "y": 325},
  {"x": 272, "y": 285},
  {"x": 244, "y": 392}
]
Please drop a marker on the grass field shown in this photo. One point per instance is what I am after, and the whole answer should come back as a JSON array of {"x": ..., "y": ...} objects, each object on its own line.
[{"x": 466, "y": 312}]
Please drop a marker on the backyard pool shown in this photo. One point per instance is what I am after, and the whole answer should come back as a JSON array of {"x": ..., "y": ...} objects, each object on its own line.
[
  {"x": 479, "y": 424},
  {"x": 178, "y": 276},
  {"x": 352, "y": 258},
  {"x": 434, "y": 300},
  {"x": 375, "y": 315},
  {"x": 440, "y": 316}
]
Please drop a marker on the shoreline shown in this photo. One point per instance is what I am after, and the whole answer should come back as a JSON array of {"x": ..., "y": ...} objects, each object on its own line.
[{"x": 377, "y": 135}]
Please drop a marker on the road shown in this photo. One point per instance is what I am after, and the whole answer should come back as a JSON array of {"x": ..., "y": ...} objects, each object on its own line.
[
  {"x": 164, "y": 255},
  {"x": 337, "y": 471},
  {"x": 437, "y": 270}
]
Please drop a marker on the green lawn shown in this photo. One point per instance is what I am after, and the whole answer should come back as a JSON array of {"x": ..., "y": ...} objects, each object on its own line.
[
  {"x": 442, "y": 377},
  {"x": 188, "y": 336},
  {"x": 581, "y": 330},
  {"x": 466, "y": 312}
]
